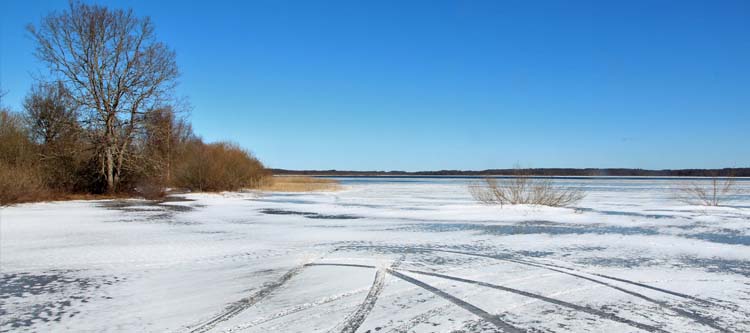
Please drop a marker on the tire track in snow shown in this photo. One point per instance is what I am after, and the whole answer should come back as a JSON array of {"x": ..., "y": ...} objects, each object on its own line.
[
  {"x": 460, "y": 303},
  {"x": 554, "y": 301},
  {"x": 297, "y": 309},
  {"x": 558, "y": 302},
  {"x": 546, "y": 265},
  {"x": 654, "y": 288},
  {"x": 495, "y": 320},
  {"x": 419, "y": 319},
  {"x": 356, "y": 318},
  {"x": 243, "y": 304},
  {"x": 339, "y": 265},
  {"x": 636, "y": 283},
  {"x": 710, "y": 322}
]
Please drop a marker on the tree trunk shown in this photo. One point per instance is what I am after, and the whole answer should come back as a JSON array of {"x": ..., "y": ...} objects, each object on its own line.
[
  {"x": 110, "y": 153},
  {"x": 110, "y": 172}
]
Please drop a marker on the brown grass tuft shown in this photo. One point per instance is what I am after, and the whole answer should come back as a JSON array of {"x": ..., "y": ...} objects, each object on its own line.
[{"x": 299, "y": 184}]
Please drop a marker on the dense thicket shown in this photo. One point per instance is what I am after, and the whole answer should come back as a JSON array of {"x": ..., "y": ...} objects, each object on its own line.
[
  {"x": 104, "y": 121},
  {"x": 218, "y": 166},
  {"x": 47, "y": 152},
  {"x": 20, "y": 177}
]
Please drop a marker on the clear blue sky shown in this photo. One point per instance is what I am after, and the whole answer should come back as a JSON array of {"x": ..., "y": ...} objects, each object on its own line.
[{"x": 417, "y": 85}]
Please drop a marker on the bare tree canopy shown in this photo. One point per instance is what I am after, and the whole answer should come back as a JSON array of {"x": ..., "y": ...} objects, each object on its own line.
[
  {"x": 50, "y": 112},
  {"x": 115, "y": 70}
]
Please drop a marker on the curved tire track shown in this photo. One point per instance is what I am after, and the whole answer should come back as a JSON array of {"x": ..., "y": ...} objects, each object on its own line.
[
  {"x": 592, "y": 311},
  {"x": 546, "y": 266},
  {"x": 710, "y": 322},
  {"x": 551, "y": 266},
  {"x": 356, "y": 318},
  {"x": 247, "y": 302},
  {"x": 460, "y": 303},
  {"x": 495, "y": 320},
  {"x": 561, "y": 303},
  {"x": 297, "y": 309},
  {"x": 706, "y": 321}
]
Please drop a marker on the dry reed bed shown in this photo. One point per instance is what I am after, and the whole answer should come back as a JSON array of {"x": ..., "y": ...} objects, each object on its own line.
[{"x": 299, "y": 184}]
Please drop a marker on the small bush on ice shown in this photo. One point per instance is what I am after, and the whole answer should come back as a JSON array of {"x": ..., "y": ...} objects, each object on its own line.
[{"x": 524, "y": 189}]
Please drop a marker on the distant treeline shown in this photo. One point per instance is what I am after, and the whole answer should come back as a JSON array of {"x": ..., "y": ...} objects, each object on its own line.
[{"x": 590, "y": 172}]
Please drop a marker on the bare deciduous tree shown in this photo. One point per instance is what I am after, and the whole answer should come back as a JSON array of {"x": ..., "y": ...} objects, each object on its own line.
[
  {"x": 522, "y": 188},
  {"x": 114, "y": 68}
]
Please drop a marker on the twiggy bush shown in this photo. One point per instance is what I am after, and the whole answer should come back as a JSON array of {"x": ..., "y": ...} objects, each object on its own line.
[
  {"x": 715, "y": 192},
  {"x": 21, "y": 184},
  {"x": 524, "y": 189},
  {"x": 20, "y": 179},
  {"x": 218, "y": 167},
  {"x": 16, "y": 148}
]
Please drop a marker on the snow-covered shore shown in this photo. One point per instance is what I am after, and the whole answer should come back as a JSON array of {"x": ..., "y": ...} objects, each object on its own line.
[{"x": 385, "y": 255}]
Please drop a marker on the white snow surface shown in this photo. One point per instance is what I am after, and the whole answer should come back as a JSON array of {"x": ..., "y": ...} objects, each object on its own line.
[{"x": 382, "y": 255}]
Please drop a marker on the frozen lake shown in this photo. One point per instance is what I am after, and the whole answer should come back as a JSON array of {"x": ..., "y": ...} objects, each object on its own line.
[{"x": 382, "y": 255}]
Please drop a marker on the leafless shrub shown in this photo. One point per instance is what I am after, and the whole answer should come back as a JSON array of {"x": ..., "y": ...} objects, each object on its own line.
[
  {"x": 20, "y": 179},
  {"x": 152, "y": 190},
  {"x": 712, "y": 193},
  {"x": 524, "y": 189},
  {"x": 218, "y": 167},
  {"x": 21, "y": 184},
  {"x": 16, "y": 148}
]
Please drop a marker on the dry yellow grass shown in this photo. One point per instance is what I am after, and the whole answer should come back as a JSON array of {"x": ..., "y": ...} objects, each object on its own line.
[{"x": 299, "y": 184}]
